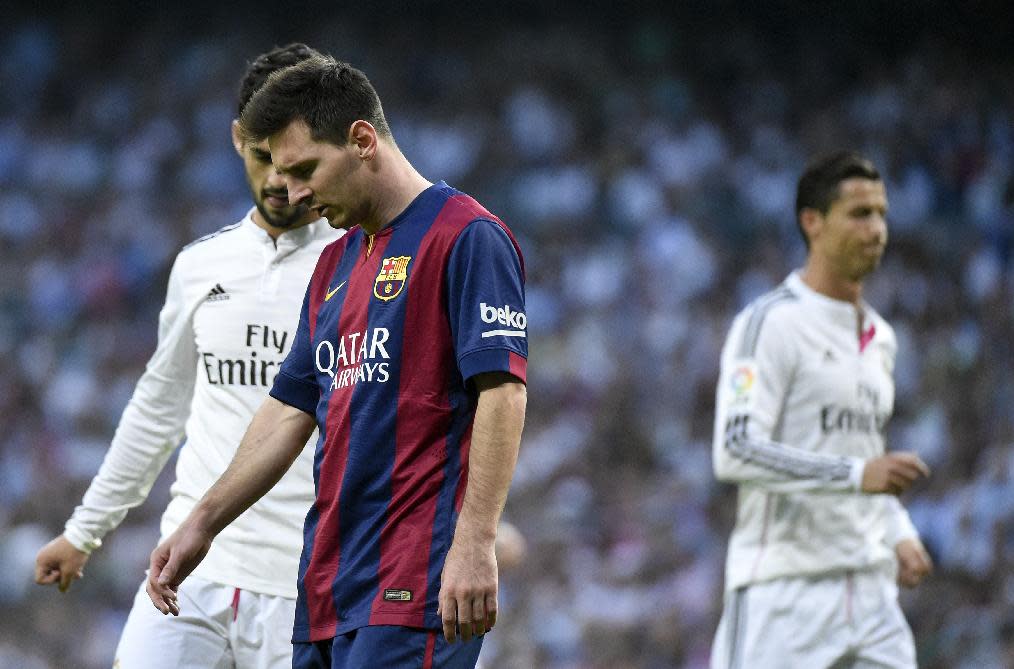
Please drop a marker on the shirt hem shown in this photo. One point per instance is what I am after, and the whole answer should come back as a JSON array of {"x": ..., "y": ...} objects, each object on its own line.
[{"x": 305, "y": 634}]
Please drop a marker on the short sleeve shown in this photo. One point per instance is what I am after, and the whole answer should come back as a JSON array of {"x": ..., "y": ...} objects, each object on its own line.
[
  {"x": 486, "y": 301},
  {"x": 296, "y": 382}
]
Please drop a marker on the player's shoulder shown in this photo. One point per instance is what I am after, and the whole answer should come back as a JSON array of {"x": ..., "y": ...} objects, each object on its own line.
[
  {"x": 214, "y": 250},
  {"x": 773, "y": 311},
  {"x": 776, "y": 305},
  {"x": 212, "y": 243},
  {"x": 461, "y": 211}
]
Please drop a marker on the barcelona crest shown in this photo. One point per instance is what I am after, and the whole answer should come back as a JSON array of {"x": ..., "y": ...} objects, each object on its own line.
[{"x": 392, "y": 277}]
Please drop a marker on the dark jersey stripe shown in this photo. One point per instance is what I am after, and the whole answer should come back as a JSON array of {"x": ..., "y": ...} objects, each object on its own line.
[
  {"x": 421, "y": 425},
  {"x": 751, "y": 333},
  {"x": 328, "y": 540}
]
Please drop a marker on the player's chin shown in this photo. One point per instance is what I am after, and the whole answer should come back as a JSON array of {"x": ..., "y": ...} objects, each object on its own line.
[
  {"x": 337, "y": 222},
  {"x": 865, "y": 266},
  {"x": 283, "y": 215}
]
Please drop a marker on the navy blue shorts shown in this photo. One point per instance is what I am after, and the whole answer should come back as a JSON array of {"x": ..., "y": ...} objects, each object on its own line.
[{"x": 389, "y": 647}]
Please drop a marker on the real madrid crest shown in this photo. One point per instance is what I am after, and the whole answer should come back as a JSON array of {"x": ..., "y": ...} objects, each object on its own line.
[{"x": 391, "y": 278}]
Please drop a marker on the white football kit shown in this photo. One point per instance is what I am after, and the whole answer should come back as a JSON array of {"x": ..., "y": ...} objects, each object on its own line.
[
  {"x": 230, "y": 315},
  {"x": 804, "y": 396}
]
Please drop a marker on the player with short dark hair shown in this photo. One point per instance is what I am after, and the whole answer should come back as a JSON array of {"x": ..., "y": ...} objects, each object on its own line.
[
  {"x": 410, "y": 357},
  {"x": 820, "y": 184},
  {"x": 326, "y": 94},
  {"x": 804, "y": 396},
  {"x": 228, "y": 320}
]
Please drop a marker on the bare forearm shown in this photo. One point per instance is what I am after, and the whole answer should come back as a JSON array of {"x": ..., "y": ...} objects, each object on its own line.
[
  {"x": 496, "y": 436},
  {"x": 274, "y": 439}
]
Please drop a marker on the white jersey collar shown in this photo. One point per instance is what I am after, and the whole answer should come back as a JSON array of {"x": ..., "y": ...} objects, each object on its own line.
[
  {"x": 796, "y": 284},
  {"x": 288, "y": 240}
]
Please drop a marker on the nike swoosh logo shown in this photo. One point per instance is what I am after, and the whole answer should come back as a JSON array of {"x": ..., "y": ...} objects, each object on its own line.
[{"x": 331, "y": 293}]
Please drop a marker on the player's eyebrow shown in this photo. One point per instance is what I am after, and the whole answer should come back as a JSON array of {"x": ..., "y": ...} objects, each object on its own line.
[
  {"x": 868, "y": 208},
  {"x": 297, "y": 167},
  {"x": 261, "y": 154}
]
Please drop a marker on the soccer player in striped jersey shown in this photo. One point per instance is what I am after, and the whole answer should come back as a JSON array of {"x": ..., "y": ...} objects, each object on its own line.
[
  {"x": 410, "y": 357},
  {"x": 804, "y": 396},
  {"x": 229, "y": 319}
]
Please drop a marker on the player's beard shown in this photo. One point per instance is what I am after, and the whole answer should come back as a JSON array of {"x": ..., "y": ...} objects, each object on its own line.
[{"x": 276, "y": 221}]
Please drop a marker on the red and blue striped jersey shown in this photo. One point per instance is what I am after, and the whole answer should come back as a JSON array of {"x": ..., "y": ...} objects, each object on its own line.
[{"x": 393, "y": 327}]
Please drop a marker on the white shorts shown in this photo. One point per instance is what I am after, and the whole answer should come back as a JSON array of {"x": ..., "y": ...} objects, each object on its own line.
[
  {"x": 846, "y": 621},
  {"x": 219, "y": 627}
]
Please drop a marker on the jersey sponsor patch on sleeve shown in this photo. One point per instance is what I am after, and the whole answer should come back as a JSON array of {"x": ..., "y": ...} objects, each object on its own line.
[
  {"x": 486, "y": 301},
  {"x": 513, "y": 322},
  {"x": 742, "y": 381}
]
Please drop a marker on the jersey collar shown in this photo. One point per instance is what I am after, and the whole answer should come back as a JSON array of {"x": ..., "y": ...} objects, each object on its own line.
[
  {"x": 796, "y": 284},
  {"x": 290, "y": 240}
]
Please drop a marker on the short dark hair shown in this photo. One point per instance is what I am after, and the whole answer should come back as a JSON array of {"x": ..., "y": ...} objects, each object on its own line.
[
  {"x": 266, "y": 64},
  {"x": 327, "y": 94},
  {"x": 819, "y": 186}
]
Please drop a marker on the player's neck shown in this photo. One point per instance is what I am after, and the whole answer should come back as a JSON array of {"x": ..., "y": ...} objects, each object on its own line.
[
  {"x": 397, "y": 185},
  {"x": 823, "y": 280}
]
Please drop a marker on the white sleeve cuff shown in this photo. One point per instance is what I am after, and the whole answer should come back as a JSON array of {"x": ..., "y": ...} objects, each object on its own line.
[
  {"x": 80, "y": 540},
  {"x": 856, "y": 474}
]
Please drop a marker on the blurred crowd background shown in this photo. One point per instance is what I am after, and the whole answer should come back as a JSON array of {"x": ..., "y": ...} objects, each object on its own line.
[{"x": 647, "y": 160}]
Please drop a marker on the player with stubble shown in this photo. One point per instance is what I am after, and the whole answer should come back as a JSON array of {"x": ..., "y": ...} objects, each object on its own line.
[
  {"x": 804, "y": 396},
  {"x": 410, "y": 356},
  {"x": 229, "y": 318}
]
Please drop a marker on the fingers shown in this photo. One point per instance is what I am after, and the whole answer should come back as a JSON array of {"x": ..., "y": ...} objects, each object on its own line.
[
  {"x": 479, "y": 617},
  {"x": 449, "y": 618},
  {"x": 67, "y": 577},
  {"x": 491, "y": 607},
  {"x": 45, "y": 571},
  {"x": 903, "y": 470},
  {"x": 163, "y": 600},
  {"x": 46, "y": 575},
  {"x": 910, "y": 470},
  {"x": 911, "y": 575},
  {"x": 60, "y": 574},
  {"x": 908, "y": 578},
  {"x": 910, "y": 465},
  {"x": 913, "y": 461},
  {"x": 914, "y": 562},
  {"x": 465, "y": 619},
  {"x": 898, "y": 482},
  {"x": 167, "y": 574},
  {"x": 159, "y": 587}
]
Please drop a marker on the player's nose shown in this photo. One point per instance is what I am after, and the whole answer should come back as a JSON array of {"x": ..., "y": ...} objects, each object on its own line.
[
  {"x": 880, "y": 228},
  {"x": 275, "y": 181},
  {"x": 298, "y": 194}
]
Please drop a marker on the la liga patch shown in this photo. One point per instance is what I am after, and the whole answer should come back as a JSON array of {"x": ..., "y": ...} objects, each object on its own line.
[{"x": 742, "y": 381}]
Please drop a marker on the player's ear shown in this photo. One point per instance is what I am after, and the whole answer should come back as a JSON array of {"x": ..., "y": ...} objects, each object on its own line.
[
  {"x": 811, "y": 221},
  {"x": 363, "y": 137},
  {"x": 237, "y": 137}
]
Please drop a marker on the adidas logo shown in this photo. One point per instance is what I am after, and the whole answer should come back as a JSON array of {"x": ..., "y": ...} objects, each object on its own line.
[{"x": 217, "y": 293}]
